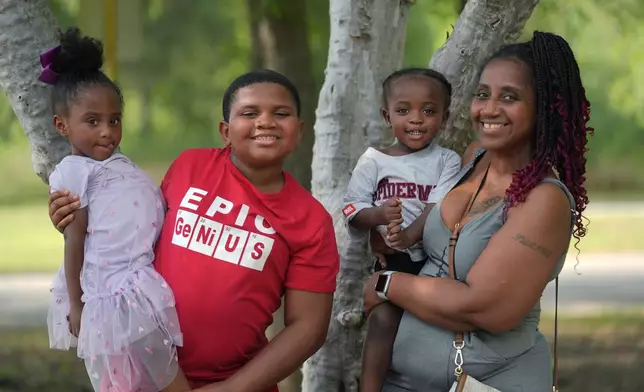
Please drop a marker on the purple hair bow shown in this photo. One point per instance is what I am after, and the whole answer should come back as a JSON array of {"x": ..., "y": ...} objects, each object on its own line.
[{"x": 48, "y": 75}]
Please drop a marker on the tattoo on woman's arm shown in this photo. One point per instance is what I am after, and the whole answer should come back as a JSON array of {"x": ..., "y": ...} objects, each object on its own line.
[{"x": 545, "y": 252}]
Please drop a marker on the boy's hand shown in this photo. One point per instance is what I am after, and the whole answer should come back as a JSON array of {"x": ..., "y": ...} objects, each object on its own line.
[{"x": 390, "y": 211}]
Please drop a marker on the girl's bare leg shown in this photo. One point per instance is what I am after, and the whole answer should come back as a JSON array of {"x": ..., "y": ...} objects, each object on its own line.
[{"x": 179, "y": 384}]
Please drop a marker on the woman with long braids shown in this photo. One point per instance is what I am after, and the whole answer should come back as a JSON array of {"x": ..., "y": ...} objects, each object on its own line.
[{"x": 505, "y": 228}]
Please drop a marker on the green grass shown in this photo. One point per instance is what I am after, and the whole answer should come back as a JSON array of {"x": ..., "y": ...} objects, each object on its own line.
[
  {"x": 29, "y": 243},
  {"x": 28, "y": 365},
  {"x": 615, "y": 234},
  {"x": 597, "y": 354},
  {"x": 19, "y": 182}
]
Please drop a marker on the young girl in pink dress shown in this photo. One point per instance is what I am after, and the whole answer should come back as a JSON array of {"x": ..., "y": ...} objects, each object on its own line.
[{"x": 107, "y": 299}]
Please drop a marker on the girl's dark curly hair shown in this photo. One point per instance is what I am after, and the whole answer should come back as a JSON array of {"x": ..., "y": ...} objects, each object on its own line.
[
  {"x": 562, "y": 114},
  {"x": 78, "y": 63}
]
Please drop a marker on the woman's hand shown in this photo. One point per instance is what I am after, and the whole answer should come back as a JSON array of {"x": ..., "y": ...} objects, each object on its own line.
[
  {"x": 370, "y": 297},
  {"x": 61, "y": 208}
]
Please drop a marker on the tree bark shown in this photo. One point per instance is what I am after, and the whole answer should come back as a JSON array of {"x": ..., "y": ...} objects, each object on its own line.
[
  {"x": 366, "y": 44},
  {"x": 462, "y": 5},
  {"x": 29, "y": 28},
  {"x": 482, "y": 28},
  {"x": 279, "y": 32}
]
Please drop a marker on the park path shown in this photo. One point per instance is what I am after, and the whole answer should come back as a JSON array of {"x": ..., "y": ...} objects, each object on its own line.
[{"x": 601, "y": 282}]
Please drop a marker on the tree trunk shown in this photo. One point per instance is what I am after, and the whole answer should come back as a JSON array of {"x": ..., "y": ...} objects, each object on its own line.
[
  {"x": 482, "y": 28},
  {"x": 279, "y": 32},
  {"x": 366, "y": 44},
  {"x": 29, "y": 28}
]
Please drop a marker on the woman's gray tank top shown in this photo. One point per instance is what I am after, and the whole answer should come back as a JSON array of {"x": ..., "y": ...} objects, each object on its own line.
[{"x": 487, "y": 352}]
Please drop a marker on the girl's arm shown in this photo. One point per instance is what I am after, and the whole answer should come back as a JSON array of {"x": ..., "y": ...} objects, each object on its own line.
[{"x": 74, "y": 235}]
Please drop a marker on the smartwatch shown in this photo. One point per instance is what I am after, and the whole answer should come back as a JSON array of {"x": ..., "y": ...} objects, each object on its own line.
[{"x": 382, "y": 284}]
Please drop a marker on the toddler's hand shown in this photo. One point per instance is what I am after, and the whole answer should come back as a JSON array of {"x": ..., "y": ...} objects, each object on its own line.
[
  {"x": 391, "y": 211},
  {"x": 381, "y": 259},
  {"x": 397, "y": 238}
]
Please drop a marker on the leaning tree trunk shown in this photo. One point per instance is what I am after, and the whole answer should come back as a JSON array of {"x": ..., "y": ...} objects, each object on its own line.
[
  {"x": 481, "y": 29},
  {"x": 29, "y": 28},
  {"x": 366, "y": 44}
]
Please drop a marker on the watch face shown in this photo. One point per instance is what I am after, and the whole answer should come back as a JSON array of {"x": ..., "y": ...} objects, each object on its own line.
[{"x": 382, "y": 281}]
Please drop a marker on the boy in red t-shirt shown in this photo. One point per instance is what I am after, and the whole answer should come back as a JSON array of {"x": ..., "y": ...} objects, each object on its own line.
[{"x": 239, "y": 234}]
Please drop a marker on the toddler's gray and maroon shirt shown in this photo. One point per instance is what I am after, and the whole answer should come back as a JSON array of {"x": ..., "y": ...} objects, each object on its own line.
[{"x": 417, "y": 179}]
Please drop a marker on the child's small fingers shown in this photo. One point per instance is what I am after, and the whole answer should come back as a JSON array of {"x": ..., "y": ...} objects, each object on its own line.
[
  {"x": 395, "y": 222},
  {"x": 395, "y": 230},
  {"x": 381, "y": 259}
]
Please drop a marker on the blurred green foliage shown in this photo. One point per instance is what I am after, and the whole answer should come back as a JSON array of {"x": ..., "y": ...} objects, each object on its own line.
[{"x": 176, "y": 63}]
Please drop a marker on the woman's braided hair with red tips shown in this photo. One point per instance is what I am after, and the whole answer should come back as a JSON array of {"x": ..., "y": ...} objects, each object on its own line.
[{"x": 562, "y": 114}]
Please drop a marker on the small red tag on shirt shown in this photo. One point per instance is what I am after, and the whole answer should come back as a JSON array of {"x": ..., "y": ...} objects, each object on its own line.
[{"x": 348, "y": 210}]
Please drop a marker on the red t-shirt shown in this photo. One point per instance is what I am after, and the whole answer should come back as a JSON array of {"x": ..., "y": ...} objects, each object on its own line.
[{"x": 229, "y": 252}]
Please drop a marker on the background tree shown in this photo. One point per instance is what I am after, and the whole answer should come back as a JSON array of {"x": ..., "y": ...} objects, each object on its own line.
[
  {"x": 28, "y": 28},
  {"x": 279, "y": 31},
  {"x": 366, "y": 44},
  {"x": 480, "y": 30}
]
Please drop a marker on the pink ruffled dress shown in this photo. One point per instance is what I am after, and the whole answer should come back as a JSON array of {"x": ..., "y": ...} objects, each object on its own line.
[{"x": 129, "y": 327}]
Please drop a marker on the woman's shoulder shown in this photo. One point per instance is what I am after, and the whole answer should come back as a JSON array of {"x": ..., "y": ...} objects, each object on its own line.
[
  {"x": 473, "y": 151},
  {"x": 550, "y": 199},
  {"x": 553, "y": 188}
]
